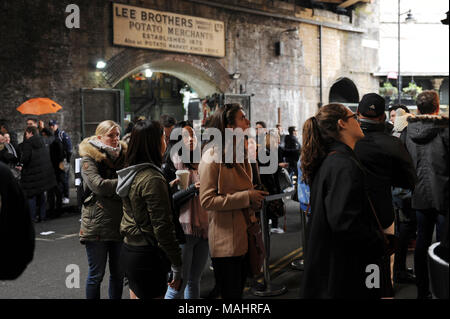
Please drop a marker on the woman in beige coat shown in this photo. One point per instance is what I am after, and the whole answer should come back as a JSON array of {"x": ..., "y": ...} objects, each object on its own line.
[{"x": 226, "y": 191}]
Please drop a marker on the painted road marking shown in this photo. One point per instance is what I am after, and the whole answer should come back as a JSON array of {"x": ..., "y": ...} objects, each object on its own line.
[
  {"x": 279, "y": 265},
  {"x": 58, "y": 238}
]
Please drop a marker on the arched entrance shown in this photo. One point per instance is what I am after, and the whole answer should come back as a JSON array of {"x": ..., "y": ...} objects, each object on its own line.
[
  {"x": 176, "y": 85},
  {"x": 204, "y": 74},
  {"x": 344, "y": 91}
]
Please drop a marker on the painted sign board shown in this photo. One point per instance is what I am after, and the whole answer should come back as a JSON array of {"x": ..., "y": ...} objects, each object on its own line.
[{"x": 159, "y": 30}]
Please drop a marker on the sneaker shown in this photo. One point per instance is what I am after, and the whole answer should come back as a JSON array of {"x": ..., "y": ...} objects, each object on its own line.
[
  {"x": 66, "y": 200},
  {"x": 277, "y": 230}
]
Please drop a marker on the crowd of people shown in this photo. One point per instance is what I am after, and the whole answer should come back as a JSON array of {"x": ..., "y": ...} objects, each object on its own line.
[
  {"x": 40, "y": 165},
  {"x": 367, "y": 178},
  {"x": 157, "y": 215}
]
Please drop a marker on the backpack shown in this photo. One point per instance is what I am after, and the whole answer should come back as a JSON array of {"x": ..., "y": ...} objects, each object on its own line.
[
  {"x": 16, "y": 228},
  {"x": 303, "y": 191}
]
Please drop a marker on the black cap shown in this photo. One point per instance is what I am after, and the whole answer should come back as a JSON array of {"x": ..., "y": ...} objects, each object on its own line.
[
  {"x": 52, "y": 122},
  {"x": 371, "y": 105}
]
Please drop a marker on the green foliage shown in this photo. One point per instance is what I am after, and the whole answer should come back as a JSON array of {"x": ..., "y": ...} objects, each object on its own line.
[
  {"x": 412, "y": 90},
  {"x": 388, "y": 90}
]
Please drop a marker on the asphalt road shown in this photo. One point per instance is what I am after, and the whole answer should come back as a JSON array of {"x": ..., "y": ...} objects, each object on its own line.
[{"x": 46, "y": 275}]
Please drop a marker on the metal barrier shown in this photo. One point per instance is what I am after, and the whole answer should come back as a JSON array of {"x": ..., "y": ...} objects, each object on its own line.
[
  {"x": 268, "y": 288},
  {"x": 299, "y": 264}
]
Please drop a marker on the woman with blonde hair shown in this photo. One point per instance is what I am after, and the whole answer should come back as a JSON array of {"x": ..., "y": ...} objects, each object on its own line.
[{"x": 102, "y": 155}]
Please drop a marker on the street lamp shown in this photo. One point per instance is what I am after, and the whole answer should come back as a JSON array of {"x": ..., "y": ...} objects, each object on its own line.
[{"x": 409, "y": 18}]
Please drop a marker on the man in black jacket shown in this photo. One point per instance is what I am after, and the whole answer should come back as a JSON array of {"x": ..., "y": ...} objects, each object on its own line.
[
  {"x": 67, "y": 148},
  {"x": 385, "y": 158},
  {"x": 292, "y": 150},
  {"x": 427, "y": 141},
  {"x": 55, "y": 195},
  {"x": 37, "y": 172}
]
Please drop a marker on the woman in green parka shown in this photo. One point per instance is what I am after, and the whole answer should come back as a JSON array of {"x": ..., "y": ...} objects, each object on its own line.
[
  {"x": 150, "y": 248},
  {"x": 102, "y": 155}
]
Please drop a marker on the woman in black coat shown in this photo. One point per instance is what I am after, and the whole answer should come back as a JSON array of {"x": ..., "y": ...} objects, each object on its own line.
[
  {"x": 343, "y": 239},
  {"x": 37, "y": 172}
]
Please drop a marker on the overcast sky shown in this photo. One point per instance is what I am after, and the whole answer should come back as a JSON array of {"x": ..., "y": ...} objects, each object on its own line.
[{"x": 424, "y": 43}]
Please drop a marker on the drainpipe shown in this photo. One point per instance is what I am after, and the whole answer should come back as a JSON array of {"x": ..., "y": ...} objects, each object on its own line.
[{"x": 320, "y": 66}]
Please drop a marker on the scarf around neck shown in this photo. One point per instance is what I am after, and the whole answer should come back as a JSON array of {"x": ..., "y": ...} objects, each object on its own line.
[{"x": 113, "y": 152}]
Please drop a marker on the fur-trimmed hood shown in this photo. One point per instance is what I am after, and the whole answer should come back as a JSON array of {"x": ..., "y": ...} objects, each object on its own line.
[
  {"x": 87, "y": 149},
  {"x": 423, "y": 128}
]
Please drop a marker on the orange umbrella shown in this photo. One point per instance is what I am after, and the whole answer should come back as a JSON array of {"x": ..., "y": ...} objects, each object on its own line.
[{"x": 39, "y": 106}]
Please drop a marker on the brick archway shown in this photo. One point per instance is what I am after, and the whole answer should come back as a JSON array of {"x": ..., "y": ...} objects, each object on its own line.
[
  {"x": 343, "y": 90},
  {"x": 205, "y": 75}
]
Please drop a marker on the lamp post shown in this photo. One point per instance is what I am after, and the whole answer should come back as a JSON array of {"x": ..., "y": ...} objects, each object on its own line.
[{"x": 409, "y": 18}]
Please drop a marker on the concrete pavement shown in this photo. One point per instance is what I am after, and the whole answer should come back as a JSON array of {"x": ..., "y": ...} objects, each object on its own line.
[{"x": 45, "y": 277}]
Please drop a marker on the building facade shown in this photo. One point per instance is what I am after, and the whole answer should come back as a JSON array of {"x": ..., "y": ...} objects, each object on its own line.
[
  {"x": 423, "y": 59},
  {"x": 288, "y": 59}
]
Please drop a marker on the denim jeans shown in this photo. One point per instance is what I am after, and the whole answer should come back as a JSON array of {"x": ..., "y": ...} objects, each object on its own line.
[
  {"x": 97, "y": 253},
  {"x": 35, "y": 202},
  {"x": 195, "y": 254},
  {"x": 426, "y": 220}
]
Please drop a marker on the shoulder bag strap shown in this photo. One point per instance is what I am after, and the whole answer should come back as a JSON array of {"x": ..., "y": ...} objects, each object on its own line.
[{"x": 368, "y": 198}]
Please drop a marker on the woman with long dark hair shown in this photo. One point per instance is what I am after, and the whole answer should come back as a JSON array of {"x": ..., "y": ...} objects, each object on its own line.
[
  {"x": 150, "y": 245},
  {"x": 226, "y": 191},
  {"x": 343, "y": 240},
  {"x": 193, "y": 218}
]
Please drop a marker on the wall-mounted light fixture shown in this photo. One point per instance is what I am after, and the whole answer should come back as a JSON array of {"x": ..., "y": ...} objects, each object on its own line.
[
  {"x": 148, "y": 73},
  {"x": 279, "y": 46},
  {"x": 235, "y": 75},
  {"x": 100, "y": 64}
]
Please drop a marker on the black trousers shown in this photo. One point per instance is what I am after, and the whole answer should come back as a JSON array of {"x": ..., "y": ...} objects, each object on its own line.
[
  {"x": 427, "y": 220},
  {"x": 55, "y": 195},
  {"x": 230, "y": 274},
  {"x": 406, "y": 232}
]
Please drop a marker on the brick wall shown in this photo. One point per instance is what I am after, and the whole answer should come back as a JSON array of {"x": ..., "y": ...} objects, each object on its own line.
[{"x": 41, "y": 57}]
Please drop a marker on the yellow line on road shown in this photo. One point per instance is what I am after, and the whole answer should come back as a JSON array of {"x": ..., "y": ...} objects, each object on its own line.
[
  {"x": 281, "y": 260},
  {"x": 280, "y": 264}
]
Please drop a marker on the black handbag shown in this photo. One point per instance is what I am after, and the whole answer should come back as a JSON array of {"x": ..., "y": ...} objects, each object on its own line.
[
  {"x": 283, "y": 179},
  {"x": 182, "y": 196}
]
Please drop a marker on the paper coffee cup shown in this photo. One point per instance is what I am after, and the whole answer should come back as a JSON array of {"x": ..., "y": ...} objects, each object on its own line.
[{"x": 183, "y": 176}]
